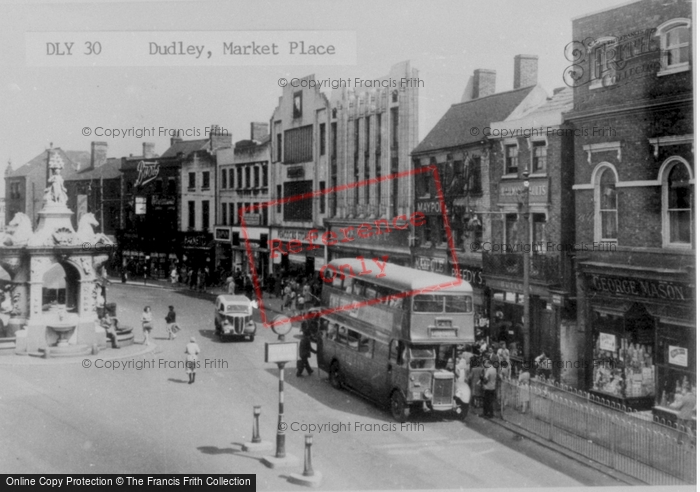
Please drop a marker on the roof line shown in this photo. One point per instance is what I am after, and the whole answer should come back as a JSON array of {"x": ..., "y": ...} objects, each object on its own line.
[{"x": 494, "y": 95}]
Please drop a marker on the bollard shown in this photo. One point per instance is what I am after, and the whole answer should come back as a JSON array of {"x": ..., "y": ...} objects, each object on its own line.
[
  {"x": 309, "y": 478},
  {"x": 256, "y": 444},
  {"x": 308, "y": 467},
  {"x": 256, "y": 424}
]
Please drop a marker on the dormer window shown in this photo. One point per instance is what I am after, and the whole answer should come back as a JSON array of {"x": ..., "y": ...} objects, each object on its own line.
[{"x": 675, "y": 46}]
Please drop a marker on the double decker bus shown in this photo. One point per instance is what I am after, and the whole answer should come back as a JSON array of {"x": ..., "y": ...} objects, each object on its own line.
[{"x": 390, "y": 333}]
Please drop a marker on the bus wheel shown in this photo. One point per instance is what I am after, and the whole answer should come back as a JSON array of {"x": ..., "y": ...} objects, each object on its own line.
[
  {"x": 336, "y": 376},
  {"x": 399, "y": 409}
]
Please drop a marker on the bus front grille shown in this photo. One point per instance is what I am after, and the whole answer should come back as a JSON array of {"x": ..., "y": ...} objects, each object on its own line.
[{"x": 442, "y": 391}]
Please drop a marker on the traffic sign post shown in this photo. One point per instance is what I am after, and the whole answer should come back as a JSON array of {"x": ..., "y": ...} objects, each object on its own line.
[{"x": 281, "y": 353}]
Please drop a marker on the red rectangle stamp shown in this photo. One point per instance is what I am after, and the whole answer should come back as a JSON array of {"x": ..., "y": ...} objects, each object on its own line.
[{"x": 360, "y": 265}]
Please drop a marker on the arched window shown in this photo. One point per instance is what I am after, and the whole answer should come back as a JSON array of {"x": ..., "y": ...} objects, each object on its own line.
[
  {"x": 675, "y": 45},
  {"x": 606, "y": 205},
  {"x": 677, "y": 204}
]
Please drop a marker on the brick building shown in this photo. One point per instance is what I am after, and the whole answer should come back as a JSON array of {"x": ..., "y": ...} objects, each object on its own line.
[
  {"x": 244, "y": 180},
  {"x": 299, "y": 154},
  {"x": 634, "y": 189},
  {"x": 97, "y": 189},
  {"x": 464, "y": 155},
  {"x": 371, "y": 134},
  {"x": 536, "y": 141},
  {"x": 24, "y": 186}
]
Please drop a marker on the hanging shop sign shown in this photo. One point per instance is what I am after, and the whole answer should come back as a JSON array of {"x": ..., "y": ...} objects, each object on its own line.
[
  {"x": 222, "y": 234},
  {"x": 607, "y": 342},
  {"x": 147, "y": 172}
]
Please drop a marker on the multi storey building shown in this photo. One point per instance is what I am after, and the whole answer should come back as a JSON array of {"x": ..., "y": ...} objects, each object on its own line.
[
  {"x": 97, "y": 189},
  {"x": 460, "y": 148},
  {"x": 534, "y": 146},
  {"x": 634, "y": 189},
  {"x": 372, "y": 132},
  {"x": 299, "y": 126},
  {"x": 244, "y": 181},
  {"x": 24, "y": 186}
]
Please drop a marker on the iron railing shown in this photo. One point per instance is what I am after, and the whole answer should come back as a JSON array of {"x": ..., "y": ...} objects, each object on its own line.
[{"x": 644, "y": 449}]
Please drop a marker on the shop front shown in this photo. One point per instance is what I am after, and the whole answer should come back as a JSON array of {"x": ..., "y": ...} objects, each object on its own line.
[
  {"x": 224, "y": 253},
  {"x": 296, "y": 252},
  {"x": 353, "y": 240},
  {"x": 257, "y": 241},
  {"x": 642, "y": 337},
  {"x": 198, "y": 250}
]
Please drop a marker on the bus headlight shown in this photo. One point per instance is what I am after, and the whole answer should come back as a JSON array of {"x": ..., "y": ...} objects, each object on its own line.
[{"x": 427, "y": 394}]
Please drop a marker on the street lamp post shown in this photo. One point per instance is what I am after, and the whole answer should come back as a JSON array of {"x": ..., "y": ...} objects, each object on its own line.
[{"x": 526, "y": 266}]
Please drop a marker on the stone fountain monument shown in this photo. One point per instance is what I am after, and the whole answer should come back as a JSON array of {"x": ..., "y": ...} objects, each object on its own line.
[{"x": 67, "y": 328}]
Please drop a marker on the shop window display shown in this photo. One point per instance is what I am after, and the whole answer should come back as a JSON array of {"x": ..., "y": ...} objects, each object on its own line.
[
  {"x": 623, "y": 359},
  {"x": 676, "y": 375}
]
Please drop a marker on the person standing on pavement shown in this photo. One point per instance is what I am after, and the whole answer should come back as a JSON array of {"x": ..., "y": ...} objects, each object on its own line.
[
  {"x": 476, "y": 373},
  {"x": 191, "y": 359},
  {"x": 490, "y": 378},
  {"x": 146, "y": 324},
  {"x": 173, "y": 275},
  {"x": 170, "y": 323},
  {"x": 305, "y": 351}
]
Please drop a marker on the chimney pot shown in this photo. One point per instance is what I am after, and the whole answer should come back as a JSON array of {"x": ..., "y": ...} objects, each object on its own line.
[
  {"x": 484, "y": 83},
  {"x": 525, "y": 71}
]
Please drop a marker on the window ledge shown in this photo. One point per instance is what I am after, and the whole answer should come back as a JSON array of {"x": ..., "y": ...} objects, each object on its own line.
[
  {"x": 595, "y": 84},
  {"x": 678, "y": 246},
  {"x": 681, "y": 67},
  {"x": 538, "y": 175},
  {"x": 509, "y": 176}
]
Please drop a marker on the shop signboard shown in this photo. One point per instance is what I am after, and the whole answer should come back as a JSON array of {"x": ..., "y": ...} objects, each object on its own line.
[
  {"x": 222, "y": 234},
  {"x": 678, "y": 356},
  {"x": 607, "y": 342},
  {"x": 251, "y": 219},
  {"x": 430, "y": 207},
  {"x": 512, "y": 191},
  {"x": 640, "y": 288}
]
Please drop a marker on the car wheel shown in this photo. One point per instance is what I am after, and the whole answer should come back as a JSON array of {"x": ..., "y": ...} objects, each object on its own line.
[
  {"x": 399, "y": 409},
  {"x": 335, "y": 376}
]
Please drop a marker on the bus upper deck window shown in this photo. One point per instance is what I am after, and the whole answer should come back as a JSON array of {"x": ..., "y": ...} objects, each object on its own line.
[
  {"x": 427, "y": 304},
  {"x": 337, "y": 281},
  {"x": 458, "y": 304}
]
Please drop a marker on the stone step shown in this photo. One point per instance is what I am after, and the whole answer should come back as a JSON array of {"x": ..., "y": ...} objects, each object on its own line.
[{"x": 70, "y": 351}]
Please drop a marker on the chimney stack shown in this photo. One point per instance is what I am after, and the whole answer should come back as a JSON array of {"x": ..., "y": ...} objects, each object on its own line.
[
  {"x": 525, "y": 71},
  {"x": 174, "y": 140},
  {"x": 484, "y": 83},
  {"x": 258, "y": 131},
  {"x": 219, "y": 137},
  {"x": 149, "y": 150},
  {"x": 98, "y": 154}
]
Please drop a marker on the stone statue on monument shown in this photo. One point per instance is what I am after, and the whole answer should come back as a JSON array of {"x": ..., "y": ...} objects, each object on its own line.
[{"x": 56, "y": 193}]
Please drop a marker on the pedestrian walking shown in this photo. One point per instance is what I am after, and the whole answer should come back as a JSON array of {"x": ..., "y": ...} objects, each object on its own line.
[
  {"x": 191, "y": 278},
  {"x": 191, "y": 359},
  {"x": 305, "y": 351},
  {"x": 170, "y": 324},
  {"x": 146, "y": 324},
  {"x": 230, "y": 286},
  {"x": 173, "y": 275},
  {"x": 504, "y": 361},
  {"x": 490, "y": 379}
]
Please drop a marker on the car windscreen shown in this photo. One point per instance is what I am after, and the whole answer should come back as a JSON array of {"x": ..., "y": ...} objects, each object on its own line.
[{"x": 237, "y": 308}]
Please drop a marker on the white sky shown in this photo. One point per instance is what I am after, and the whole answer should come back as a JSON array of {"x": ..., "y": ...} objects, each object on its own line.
[{"x": 445, "y": 40}]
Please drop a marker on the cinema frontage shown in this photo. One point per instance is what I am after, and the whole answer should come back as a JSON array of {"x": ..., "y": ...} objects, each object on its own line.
[{"x": 640, "y": 334}]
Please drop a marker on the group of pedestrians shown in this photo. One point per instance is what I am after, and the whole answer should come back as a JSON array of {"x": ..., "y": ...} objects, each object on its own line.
[{"x": 191, "y": 350}]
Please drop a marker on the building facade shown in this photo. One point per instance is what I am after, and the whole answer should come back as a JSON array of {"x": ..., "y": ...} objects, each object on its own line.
[
  {"x": 299, "y": 127},
  {"x": 634, "y": 188},
  {"x": 244, "y": 182},
  {"x": 464, "y": 160},
  {"x": 371, "y": 135},
  {"x": 536, "y": 230},
  {"x": 24, "y": 186}
]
